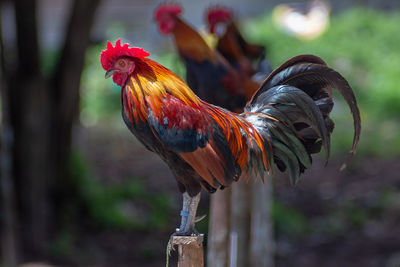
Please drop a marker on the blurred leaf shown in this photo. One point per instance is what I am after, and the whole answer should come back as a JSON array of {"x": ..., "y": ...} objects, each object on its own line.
[
  {"x": 128, "y": 205},
  {"x": 288, "y": 220}
]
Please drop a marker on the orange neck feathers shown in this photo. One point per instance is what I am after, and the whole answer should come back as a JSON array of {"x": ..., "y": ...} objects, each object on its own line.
[{"x": 148, "y": 86}]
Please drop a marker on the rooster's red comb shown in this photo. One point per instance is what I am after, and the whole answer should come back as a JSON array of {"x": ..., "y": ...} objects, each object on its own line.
[
  {"x": 217, "y": 14},
  {"x": 108, "y": 56},
  {"x": 167, "y": 8}
]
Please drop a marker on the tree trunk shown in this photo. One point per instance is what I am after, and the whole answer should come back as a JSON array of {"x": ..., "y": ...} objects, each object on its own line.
[
  {"x": 38, "y": 119},
  {"x": 65, "y": 99},
  {"x": 29, "y": 118},
  {"x": 8, "y": 230},
  {"x": 8, "y": 227}
]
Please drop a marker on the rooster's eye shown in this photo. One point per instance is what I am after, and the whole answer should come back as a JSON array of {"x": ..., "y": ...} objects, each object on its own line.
[{"x": 122, "y": 63}]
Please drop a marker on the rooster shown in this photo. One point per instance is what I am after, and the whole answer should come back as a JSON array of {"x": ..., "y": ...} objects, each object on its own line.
[
  {"x": 233, "y": 46},
  {"x": 209, "y": 147},
  {"x": 208, "y": 73}
]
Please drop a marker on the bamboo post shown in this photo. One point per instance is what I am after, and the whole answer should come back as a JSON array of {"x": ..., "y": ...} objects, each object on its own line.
[
  {"x": 262, "y": 245},
  {"x": 240, "y": 231},
  {"x": 240, "y": 224},
  {"x": 190, "y": 250},
  {"x": 218, "y": 233}
]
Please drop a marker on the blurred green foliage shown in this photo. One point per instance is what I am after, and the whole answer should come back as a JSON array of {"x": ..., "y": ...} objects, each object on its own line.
[
  {"x": 127, "y": 205},
  {"x": 338, "y": 218},
  {"x": 63, "y": 246},
  {"x": 288, "y": 220}
]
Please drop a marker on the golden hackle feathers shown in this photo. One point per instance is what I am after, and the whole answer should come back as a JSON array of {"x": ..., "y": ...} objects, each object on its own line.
[{"x": 150, "y": 83}]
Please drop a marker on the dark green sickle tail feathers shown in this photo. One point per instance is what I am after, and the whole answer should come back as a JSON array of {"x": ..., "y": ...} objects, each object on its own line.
[{"x": 299, "y": 96}]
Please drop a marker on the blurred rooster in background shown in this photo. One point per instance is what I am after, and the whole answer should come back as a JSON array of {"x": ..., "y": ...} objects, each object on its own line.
[
  {"x": 208, "y": 73},
  {"x": 233, "y": 46},
  {"x": 208, "y": 147}
]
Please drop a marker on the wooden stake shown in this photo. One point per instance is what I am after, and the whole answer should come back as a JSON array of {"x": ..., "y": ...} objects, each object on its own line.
[{"x": 190, "y": 250}]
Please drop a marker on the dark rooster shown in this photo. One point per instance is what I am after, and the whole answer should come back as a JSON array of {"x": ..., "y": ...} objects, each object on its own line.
[
  {"x": 231, "y": 44},
  {"x": 208, "y": 74},
  {"x": 208, "y": 147}
]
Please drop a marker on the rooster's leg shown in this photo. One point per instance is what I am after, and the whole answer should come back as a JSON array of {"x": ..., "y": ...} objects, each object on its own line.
[
  {"x": 188, "y": 218},
  {"x": 184, "y": 211},
  {"x": 188, "y": 214},
  {"x": 192, "y": 213}
]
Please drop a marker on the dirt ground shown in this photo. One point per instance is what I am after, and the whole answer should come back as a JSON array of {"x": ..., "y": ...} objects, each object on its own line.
[
  {"x": 352, "y": 216},
  {"x": 330, "y": 218}
]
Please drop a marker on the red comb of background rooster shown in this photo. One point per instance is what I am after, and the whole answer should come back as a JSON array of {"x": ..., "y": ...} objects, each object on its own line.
[
  {"x": 109, "y": 55},
  {"x": 217, "y": 14},
  {"x": 167, "y": 8}
]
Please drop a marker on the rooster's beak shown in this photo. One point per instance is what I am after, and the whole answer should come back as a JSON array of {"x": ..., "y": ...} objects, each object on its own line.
[{"x": 110, "y": 73}]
